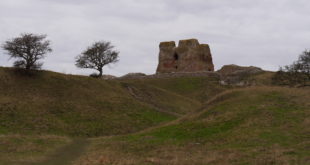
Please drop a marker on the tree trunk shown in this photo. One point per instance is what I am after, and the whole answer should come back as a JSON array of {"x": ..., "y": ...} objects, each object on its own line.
[
  {"x": 27, "y": 67},
  {"x": 100, "y": 72}
]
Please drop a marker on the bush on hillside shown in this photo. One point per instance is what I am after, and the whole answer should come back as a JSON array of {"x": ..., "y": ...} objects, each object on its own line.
[
  {"x": 94, "y": 75},
  {"x": 296, "y": 74}
]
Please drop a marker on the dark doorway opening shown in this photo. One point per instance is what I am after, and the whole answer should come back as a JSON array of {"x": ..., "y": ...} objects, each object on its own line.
[{"x": 176, "y": 56}]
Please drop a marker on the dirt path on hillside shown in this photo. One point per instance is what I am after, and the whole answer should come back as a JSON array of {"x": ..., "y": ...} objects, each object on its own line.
[
  {"x": 70, "y": 152},
  {"x": 66, "y": 154}
]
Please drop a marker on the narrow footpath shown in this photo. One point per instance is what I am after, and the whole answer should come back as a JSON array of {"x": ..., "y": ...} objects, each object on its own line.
[{"x": 66, "y": 154}]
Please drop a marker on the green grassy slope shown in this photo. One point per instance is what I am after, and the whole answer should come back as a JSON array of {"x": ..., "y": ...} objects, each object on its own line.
[
  {"x": 258, "y": 125},
  {"x": 184, "y": 120},
  {"x": 198, "y": 88},
  {"x": 161, "y": 99},
  {"x": 23, "y": 149},
  {"x": 53, "y": 103}
]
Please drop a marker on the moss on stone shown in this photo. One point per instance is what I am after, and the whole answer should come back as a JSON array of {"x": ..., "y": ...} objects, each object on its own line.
[
  {"x": 188, "y": 43},
  {"x": 167, "y": 44}
]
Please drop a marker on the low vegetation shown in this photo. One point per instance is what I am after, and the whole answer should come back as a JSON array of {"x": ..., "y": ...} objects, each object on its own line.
[
  {"x": 296, "y": 74},
  {"x": 48, "y": 102},
  {"x": 52, "y": 118},
  {"x": 52, "y": 103},
  {"x": 197, "y": 88},
  {"x": 260, "y": 125},
  {"x": 18, "y": 149}
]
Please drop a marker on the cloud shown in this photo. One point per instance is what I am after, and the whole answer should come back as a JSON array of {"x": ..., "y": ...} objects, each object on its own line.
[{"x": 261, "y": 33}]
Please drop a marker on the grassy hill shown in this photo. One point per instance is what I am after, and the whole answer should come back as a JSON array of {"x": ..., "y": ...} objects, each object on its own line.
[
  {"x": 258, "y": 125},
  {"x": 53, "y": 103},
  {"x": 198, "y": 88},
  {"x": 52, "y": 118}
]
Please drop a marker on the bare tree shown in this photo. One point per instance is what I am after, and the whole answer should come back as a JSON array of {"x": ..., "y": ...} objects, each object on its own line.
[
  {"x": 97, "y": 56},
  {"x": 28, "y": 49}
]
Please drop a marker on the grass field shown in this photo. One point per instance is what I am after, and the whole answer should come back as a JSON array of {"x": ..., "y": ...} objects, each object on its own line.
[
  {"x": 52, "y": 118},
  {"x": 259, "y": 125},
  {"x": 28, "y": 149},
  {"x": 52, "y": 103}
]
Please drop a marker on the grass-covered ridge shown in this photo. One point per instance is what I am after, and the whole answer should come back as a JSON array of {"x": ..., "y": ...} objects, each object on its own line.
[
  {"x": 259, "y": 125},
  {"x": 20, "y": 149},
  {"x": 53, "y": 103},
  {"x": 64, "y": 119},
  {"x": 197, "y": 88}
]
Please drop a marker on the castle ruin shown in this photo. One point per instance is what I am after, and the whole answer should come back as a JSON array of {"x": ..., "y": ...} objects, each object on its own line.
[{"x": 189, "y": 56}]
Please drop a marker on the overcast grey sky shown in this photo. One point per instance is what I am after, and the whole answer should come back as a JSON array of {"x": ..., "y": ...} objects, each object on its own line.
[{"x": 263, "y": 33}]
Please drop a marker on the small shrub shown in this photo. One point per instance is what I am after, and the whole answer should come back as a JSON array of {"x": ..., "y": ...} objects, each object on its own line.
[
  {"x": 296, "y": 74},
  {"x": 94, "y": 75}
]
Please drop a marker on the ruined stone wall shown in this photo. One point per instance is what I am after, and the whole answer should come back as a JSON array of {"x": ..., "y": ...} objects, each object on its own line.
[{"x": 189, "y": 56}]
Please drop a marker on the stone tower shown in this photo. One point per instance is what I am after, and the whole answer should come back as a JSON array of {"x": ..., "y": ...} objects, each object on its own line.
[{"x": 189, "y": 56}]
